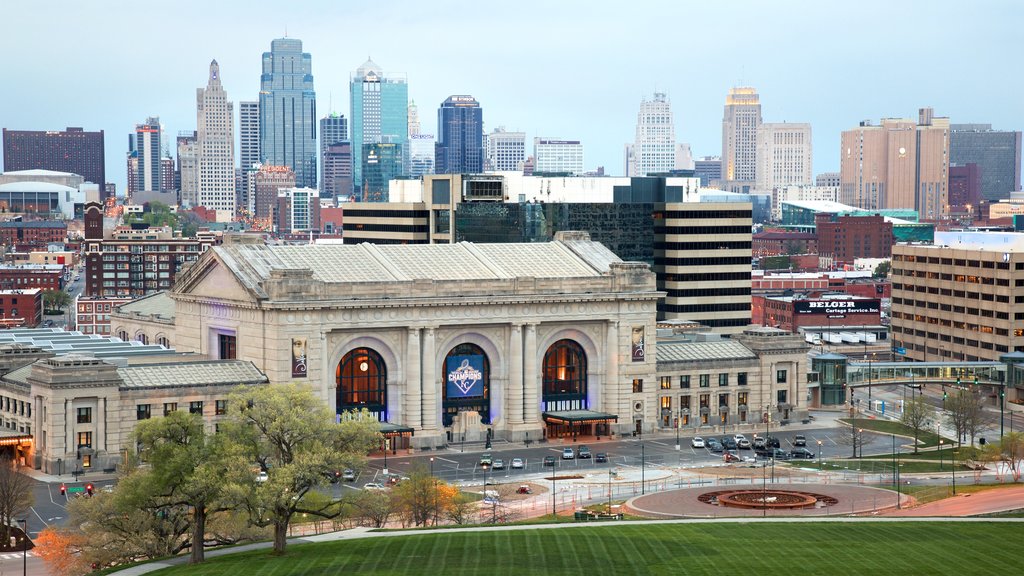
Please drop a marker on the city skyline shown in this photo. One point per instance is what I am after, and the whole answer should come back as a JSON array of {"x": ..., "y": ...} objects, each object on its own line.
[{"x": 533, "y": 91}]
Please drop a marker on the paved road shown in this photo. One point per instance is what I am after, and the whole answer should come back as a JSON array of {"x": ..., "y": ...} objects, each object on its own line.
[{"x": 987, "y": 502}]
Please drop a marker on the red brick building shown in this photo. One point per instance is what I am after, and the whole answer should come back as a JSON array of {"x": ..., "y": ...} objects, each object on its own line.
[
  {"x": 778, "y": 242},
  {"x": 92, "y": 315},
  {"x": 794, "y": 312},
  {"x": 846, "y": 238},
  {"x": 21, "y": 308},
  {"x": 38, "y": 233},
  {"x": 42, "y": 276}
]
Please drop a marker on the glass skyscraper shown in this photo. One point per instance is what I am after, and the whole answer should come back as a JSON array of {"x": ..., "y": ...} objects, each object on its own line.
[
  {"x": 288, "y": 110},
  {"x": 380, "y": 115},
  {"x": 460, "y": 134}
]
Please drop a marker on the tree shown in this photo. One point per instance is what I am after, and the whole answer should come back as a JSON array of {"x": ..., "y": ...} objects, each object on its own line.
[
  {"x": 462, "y": 508},
  {"x": 15, "y": 495},
  {"x": 417, "y": 497},
  {"x": 915, "y": 416},
  {"x": 964, "y": 414},
  {"x": 60, "y": 550},
  {"x": 882, "y": 270},
  {"x": 375, "y": 507},
  {"x": 56, "y": 299},
  {"x": 289, "y": 433},
  {"x": 187, "y": 468},
  {"x": 1011, "y": 448},
  {"x": 852, "y": 437}
]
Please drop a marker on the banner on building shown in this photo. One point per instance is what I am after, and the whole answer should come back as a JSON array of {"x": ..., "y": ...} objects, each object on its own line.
[
  {"x": 299, "y": 358},
  {"x": 465, "y": 376},
  {"x": 837, "y": 308},
  {"x": 639, "y": 346}
]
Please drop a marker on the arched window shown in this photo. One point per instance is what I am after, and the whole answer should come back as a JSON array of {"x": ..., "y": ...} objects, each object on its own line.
[
  {"x": 362, "y": 382},
  {"x": 123, "y": 335},
  {"x": 141, "y": 337},
  {"x": 163, "y": 341},
  {"x": 466, "y": 383},
  {"x": 565, "y": 376}
]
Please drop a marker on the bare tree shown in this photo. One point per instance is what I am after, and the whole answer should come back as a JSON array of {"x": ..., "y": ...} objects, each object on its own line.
[
  {"x": 375, "y": 507},
  {"x": 15, "y": 495},
  {"x": 915, "y": 416},
  {"x": 965, "y": 415},
  {"x": 462, "y": 509},
  {"x": 852, "y": 437}
]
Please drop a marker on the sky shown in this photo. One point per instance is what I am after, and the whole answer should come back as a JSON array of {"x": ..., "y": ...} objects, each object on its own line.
[{"x": 558, "y": 68}]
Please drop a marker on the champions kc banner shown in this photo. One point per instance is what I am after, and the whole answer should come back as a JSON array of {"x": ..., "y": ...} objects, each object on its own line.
[{"x": 465, "y": 376}]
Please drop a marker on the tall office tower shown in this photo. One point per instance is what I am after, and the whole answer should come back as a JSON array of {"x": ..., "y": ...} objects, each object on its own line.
[
  {"x": 414, "y": 118},
  {"x": 684, "y": 157},
  {"x": 337, "y": 163},
  {"x": 288, "y": 110},
  {"x": 167, "y": 173},
  {"x": 147, "y": 151},
  {"x": 783, "y": 156},
  {"x": 460, "y": 126},
  {"x": 333, "y": 131},
  {"x": 996, "y": 152},
  {"x": 132, "y": 170},
  {"x": 381, "y": 164},
  {"x": 297, "y": 210},
  {"x": 72, "y": 150},
  {"x": 506, "y": 151},
  {"x": 739, "y": 139},
  {"x": 965, "y": 188},
  {"x": 421, "y": 154},
  {"x": 554, "y": 155},
  {"x": 708, "y": 169},
  {"x": 380, "y": 115},
  {"x": 900, "y": 164},
  {"x": 248, "y": 146},
  {"x": 267, "y": 181},
  {"x": 215, "y": 147},
  {"x": 827, "y": 179},
  {"x": 188, "y": 169},
  {"x": 654, "y": 147}
]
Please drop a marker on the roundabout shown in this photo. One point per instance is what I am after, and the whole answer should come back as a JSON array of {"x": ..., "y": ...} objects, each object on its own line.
[{"x": 771, "y": 500}]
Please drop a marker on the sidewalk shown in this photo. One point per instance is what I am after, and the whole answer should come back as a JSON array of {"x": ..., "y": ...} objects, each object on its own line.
[{"x": 41, "y": 476}]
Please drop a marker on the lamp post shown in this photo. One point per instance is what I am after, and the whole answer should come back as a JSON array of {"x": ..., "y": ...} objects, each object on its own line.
[
  {"x": 941, "y": 442},
  {"x": 679, "y": 419},
  {"x": 24, "y": 549},
  {"x": 609, "y": 491},
  {"x": 1002, "y": 397},
  {"x": 896, "y": 472},
  {"x": 554, "y": 515},
  {"x": 870, "y": 366},
  {"x": 643, "y": 466},
  {"x": 433, "y": 481},
  {"x": 860, "y": 440},
  {"x": 952, "y": 457},
  {"x": 819, "y": 455}
]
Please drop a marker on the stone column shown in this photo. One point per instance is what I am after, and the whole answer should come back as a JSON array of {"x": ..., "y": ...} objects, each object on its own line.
[
  {"x": 431, "y": 414},
  {"x": 514, "y": 404},
  {"x": 611, "y": 401},
  {"x": 413, "y": 399},
  {"x": 531, "y": 382}
]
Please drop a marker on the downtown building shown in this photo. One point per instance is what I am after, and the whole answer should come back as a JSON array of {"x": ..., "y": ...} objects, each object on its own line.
[
  {"x": 654, "y": 149},
  {"x": 557, "y": 156},
  {"x": 506, "y": 151},
  {"x": 996, "y": 153},
  {"x": 71, "y": 150},
  {"x": 248, "y": 150},
  {"x": 740, "y": 123},
  {"x": 267, "y": 182},
  {"x": 335, "y": 157},
  {"x": 459, "y": 148},
  {"x": 287, "y": 108},
  {"x": 783, "y": 156},
  {"x": 144, "y": 158},
  {"x": 380, "y": 128},
  {"x": 215, "y": 148}
]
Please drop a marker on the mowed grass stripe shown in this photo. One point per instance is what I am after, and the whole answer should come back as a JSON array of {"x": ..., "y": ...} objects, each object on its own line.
[{"x": 765, "y": 548}]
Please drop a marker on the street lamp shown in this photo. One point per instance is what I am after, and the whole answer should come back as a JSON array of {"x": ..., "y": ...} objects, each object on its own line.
[
  {"x": 870, "y": 365},
  {"x": 819, "y": 455},
  {"x": 24, "y": 549},
  {"x": 860, "y": 440},
  {"x": 643, "y": 460},
  {"x": 609, "y": 491},
  {"x": 941, "y": 442},
  {"x": 554, "y": 515},
  {"x": 679, "y": 419},
  {"x": 434, "y": 482}
]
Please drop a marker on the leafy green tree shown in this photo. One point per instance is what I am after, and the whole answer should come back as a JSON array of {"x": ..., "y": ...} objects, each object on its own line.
[
  {"x": 882, "y": 270},
  {"x": 291, "y": 434},
  {"x": 56, "y": 299}
]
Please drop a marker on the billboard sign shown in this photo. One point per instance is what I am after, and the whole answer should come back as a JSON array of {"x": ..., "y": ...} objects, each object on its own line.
[
  {"x": 837, "y": 308},
  {"x": 638, "y": 344},
  {"x": 299, "y": 360},
  {"x": 465, "y": 376}
]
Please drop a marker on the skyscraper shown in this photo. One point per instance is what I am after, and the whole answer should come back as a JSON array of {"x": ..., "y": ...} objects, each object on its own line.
[
  {"x": 996, "y": 152},
  {"x": 288, "y": 110},
  {"x": 215, "y": 147},
  {"x": 72, "y": 150},
  {"x": 188, "y": 170},
  {"x": 337, "y": 163},
  {"x": 380, "y": 115},
  {"x": 248, "y": 147},
  {"x": 900, "y": 164},
  {"x": 334, "y": 131},
  {"x": 739, "y": 139},
  {"x": 381, "y": 163},
  {"x": 414, "y": 118},
  {"x": 460, "y": 126},
  {"x": 506, "y": 151},
  {"x": 147, "y": 153},
  {"x": 554, "y": 155},
  {"x": 709, "y": 170},
  {"x": 654, "y": 148},
  {"x": 783, "y": 156}
]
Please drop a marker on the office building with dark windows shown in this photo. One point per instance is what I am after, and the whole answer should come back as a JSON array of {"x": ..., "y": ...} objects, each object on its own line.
[
  {"x": 460, "y": 147},
  {"x": 287, "y": 109},
  {"x": 72, "y": 150},
  {"x": 997, "y": 153}
]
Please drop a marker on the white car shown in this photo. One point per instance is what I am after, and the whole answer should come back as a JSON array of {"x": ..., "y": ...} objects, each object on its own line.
[
  {"x": 373, "y": 486},
  {"x": 739, "y": 437},
  {"x": 517, "y": 463},
  {"x": 568, "y": 453},
  {"x": 697, "y": 442},
  {"x": 261, "y": 476}
]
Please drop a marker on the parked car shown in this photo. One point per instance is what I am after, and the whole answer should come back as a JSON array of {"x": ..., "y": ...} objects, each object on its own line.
[
  {"x": 697, "y": 442},
  {"x": 758, "y": 441},
  {"x": 349, "y": 475},
  {"x": 261, "y": 476},
  {"x": 568, "y": 453},
  {"x": 373, "y": 486},
  {"x": 516, "y": 464},
  {"x": 549, "y": 460},
  {"x": 499, "y": 464},
  {"x": 743, "y": 444},
  {"x": 333, "y": 475},
  {"x": 485, "y": 459},
  {"x": 773, "y": 442},
  {"x": 583, "y": 452},
  {"x": 801, "y": 453},
  {"x": 600, "y": 457},
  {"x": 739, "y": 437},
  {"x": 714, "y": 445},
  {"x": 731, "y": 456},
  {"x": 780, "y": 454},
  {"x": 729, "y": 443},
  {"x": 762, "y": 451},
  {"x": 799, "y": 440}
]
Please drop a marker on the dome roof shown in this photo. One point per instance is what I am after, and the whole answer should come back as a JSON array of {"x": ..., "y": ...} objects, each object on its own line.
[
  {"x": 35, "y": 187},
  {"x": 368, "y": 67}
]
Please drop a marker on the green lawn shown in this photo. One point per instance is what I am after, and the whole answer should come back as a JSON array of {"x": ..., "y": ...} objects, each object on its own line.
[
  {"x": 880, "y": 466},
  {"x": 925, "y": 437},
  {"x": 817, "y": 548}
]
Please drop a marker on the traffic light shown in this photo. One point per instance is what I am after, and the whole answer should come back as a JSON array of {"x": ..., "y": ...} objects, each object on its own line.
[
  {"x": 88, "y": 489},
  {"x": 945, "y": 395},
  {"x": 63, "y": 490},
  {"x": 957, "y": 381},
  {"x": 975, "y": 380}
]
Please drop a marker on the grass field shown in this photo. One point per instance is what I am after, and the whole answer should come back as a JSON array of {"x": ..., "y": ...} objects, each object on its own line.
[
  {"x": 925, "y": 437},
  {"x": 674, "y": 549}
]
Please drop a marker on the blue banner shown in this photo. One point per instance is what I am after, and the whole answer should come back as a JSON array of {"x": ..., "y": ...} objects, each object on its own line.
[{"x": 465, "y": 376}]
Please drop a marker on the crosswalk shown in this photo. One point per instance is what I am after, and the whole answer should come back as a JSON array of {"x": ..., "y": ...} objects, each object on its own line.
[{"x": 14, "y": 555}]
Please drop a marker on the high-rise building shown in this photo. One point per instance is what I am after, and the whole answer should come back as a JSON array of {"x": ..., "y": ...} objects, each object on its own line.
[
  {"x": 381, "y": 164},
  {"x": 167, "y": 181},
  {"x": 900, "y": 164},
  {"x": 996, "y": 152},
  {"x": 554, "y": 155},
  {"x": 740, "y": 122},
  {"x": 380, "y": 115},
  {"x": 298, "y": 210},
  {"x": 147, "y": 153},
  {"x": 460, "y": 125},
  {"x": 708, "y": 169},
  {"x": 333, "y": 131},
  {"x": 188, "y": 169},
  {"x": 827, "y": 179},
  {"x": 965, "y": 187},
  {"x": 421, "y": 154},
  {"x": 72, "y": 150},
  {"x": 506, "y": 151},
  {"x": 414, "y": 118},
  {"x": 337, "y": 163},
  {"x": 267, "y": 181},
  {"x": 654, "y": 147},
  {"x": 288, "y": 110},
  {"x": 248, "y": 147},
  {"x": 215, "y": 147},
  {"x": 783, "y": 155}
]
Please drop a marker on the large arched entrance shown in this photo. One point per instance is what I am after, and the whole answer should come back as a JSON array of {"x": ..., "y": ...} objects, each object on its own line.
[
  {"x": 361, "y": 379},
  {"x": 565, "y": 377},
  {"x": 467, "y": 383}
]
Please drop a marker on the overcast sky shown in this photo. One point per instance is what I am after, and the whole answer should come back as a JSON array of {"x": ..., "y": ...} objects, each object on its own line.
[{"x": 563, "y": 68}]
